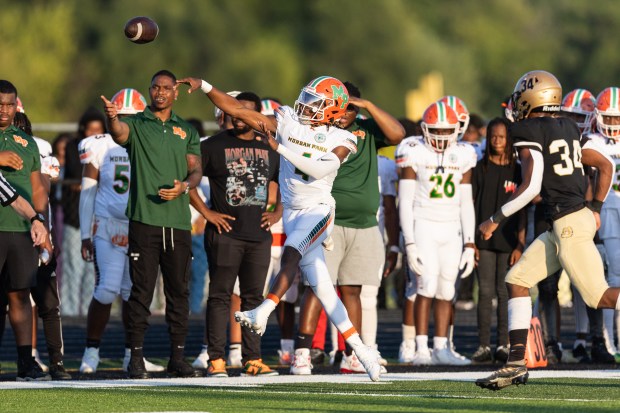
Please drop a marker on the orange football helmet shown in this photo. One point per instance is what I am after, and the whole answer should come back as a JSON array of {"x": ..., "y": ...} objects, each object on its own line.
[
  {"x": 608, "y": 113},
  {"x": 440, "y": 126},
  {"x": 268, "y": 107},
  {"x": 580, "y": 105},
  {"x": 461, "y": 111},
  {"x": 129, "y": 102},
  {"x": 322, "y": 101}
]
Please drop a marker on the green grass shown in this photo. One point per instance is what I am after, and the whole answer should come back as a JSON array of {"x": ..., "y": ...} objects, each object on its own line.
[{"x": 548, "y": 395}]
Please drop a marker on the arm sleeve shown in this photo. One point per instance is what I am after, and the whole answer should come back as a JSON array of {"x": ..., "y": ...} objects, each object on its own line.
[
  {"x": 468, "y": 216},
  {"x": 590, "y": 144},
  {"x": 316, "y": 168},
  {"x": 531, "y": 191},
  {"x": 87, "y": 206},
  {"x": 406, "y": 196}
]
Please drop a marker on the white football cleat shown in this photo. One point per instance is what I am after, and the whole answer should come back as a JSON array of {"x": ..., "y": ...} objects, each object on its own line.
[
  {"x": 422, "y": 358},
  {"x": 255, "y": 320},
  {"x": 301, "y": 364},
  {"x": 445, "y": 357},
  {"x": 369, "y": 358},
  {"x": 406, "y": 352},
  {"x": 150, "y": 367},
  {"x": 90, "y": 360},
  {"x": 202, "y": 361}
]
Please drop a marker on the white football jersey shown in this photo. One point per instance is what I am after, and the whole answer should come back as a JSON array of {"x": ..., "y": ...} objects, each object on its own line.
[
  {"x": 439, "y": 175},
  {"x": 612, "y": 149},
  {"x": 387, "y": 185},
  {"x": 112, "y": 162},
  {"x": 299, "y": 190},
  {"x": 49, "y": 164}
]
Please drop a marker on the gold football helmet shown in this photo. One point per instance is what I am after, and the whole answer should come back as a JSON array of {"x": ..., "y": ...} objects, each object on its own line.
[{"x": 537, "y": 91}]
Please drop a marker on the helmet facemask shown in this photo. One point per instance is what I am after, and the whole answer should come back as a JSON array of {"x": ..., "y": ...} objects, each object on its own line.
[
  {"x": 439, "y": 142},
  {"x": 310, "y": 107}
]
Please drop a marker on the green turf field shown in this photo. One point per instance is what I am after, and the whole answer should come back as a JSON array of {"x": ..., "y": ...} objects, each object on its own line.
[{"x": 541, "y": 395}]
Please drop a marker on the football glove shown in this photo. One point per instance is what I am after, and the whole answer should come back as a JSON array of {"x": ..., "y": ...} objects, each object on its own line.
[
  {"x": 413, "y": 259},
  {"x": 467, "y": 262}
]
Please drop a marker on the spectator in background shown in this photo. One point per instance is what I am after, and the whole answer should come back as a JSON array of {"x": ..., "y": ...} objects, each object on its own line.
[
  {"x": 20, "y": 164},
  {"x": 200, "y": 264},
  {"x": 164, "y": 153},
  {"x": 495, "y": 178},
  {"x": 78, "y": 276},
  {"x": 58, "y": 150},
  {"x": 237, "y": 236}
]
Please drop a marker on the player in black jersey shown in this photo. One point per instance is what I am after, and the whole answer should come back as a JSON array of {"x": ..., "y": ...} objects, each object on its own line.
[{"x": 552, "y": 159}]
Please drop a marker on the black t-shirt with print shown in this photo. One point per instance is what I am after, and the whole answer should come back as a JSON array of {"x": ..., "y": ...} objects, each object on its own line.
[
  {"x": 492, "y": 187},
  {"x": 239, "y": 173}
]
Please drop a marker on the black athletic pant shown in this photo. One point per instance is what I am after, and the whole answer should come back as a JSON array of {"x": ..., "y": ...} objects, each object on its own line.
[
  {"x": 492, "y": 270},
  {"x": 151, "y": 248},
  {"x": 45, "y": 296},
  {"x": 229, "y": 258}
]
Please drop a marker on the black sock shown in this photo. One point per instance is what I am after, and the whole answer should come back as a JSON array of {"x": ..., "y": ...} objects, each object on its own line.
[
  {"x": 93, "y": 343},
  {"x": 518, "y": 341},
  {"x": 24, "y": 352},
  {"x": 303, "y": 341}
]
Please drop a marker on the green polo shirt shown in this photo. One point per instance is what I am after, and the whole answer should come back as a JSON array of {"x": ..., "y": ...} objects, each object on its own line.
[
  {"x": 14, "y": 139},
  {"x": 157, "y": 153},
  {"x": 356, "y": 188}
]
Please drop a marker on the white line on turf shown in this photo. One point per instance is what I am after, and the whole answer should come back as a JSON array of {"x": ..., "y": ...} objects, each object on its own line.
[{"x": 290, "y": 379}]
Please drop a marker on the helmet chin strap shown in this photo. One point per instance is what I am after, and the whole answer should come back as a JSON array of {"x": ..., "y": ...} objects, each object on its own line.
[{"x": 440, "y": 168}]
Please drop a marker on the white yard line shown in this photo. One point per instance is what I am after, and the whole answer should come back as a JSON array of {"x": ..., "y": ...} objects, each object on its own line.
[{"x": 289, "y": 379}]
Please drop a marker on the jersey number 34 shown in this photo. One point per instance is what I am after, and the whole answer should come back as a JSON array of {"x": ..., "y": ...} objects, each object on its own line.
[{"x": 567, "y": 165}]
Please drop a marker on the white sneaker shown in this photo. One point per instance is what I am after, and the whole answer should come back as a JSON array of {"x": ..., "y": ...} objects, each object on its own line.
[
  {"x": 150, "y": 367},
  {"x": 202, "y": 361},
  {"x": 255, "y": 320},
  {"x": 459, "y": 356},
  {"x": 406, "y": 352},
  {"x": 90, "y": 360},
  {"x": 234, "y": 356},
  {"x": 369, "y": 358},
  {"x": 285, "y": 357},
  {"x": 35, "y": 354},
  {"x": 301, "y": 364},
  {"x": 445, "y": 357},
  {"x": 351, "y": 364},
  {"x": 422, "y": 358}
]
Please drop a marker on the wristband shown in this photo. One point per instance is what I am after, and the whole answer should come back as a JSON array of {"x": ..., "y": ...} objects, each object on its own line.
[
  {"x": 596, "y": 205},
  {"x": 206, "y": 87},
  {"x": 394, "y": 248},
  {"x": 497, "y": 217}
]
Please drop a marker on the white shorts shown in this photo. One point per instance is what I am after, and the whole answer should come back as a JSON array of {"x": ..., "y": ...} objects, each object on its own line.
[
  {"x": 440, "y": 245},
  {"x": 111, "y": 260}
]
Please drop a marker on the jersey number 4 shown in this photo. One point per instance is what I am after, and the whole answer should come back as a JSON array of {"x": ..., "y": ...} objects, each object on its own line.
[
  {"x": 567, "y": 165},
  {"x": 442, "y": 188},
  {"x": 304, "y": 176}
]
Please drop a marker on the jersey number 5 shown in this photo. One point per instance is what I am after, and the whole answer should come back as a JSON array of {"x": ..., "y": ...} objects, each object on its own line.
[
  {"x": 567, "y": 166},
  {"x": 121, "y": 178}
]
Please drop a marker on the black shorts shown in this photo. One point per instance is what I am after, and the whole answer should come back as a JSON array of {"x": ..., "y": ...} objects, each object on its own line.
[{"x": 18, "y": 261}]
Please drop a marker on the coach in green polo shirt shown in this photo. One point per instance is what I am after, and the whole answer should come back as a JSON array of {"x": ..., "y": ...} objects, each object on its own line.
[{"x": 164, "y": 152}]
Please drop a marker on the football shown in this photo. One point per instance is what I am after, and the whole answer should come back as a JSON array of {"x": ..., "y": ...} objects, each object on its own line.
[{"x": 141, "y": 30}]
